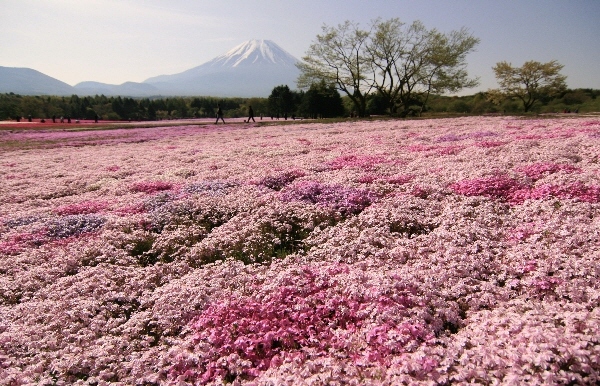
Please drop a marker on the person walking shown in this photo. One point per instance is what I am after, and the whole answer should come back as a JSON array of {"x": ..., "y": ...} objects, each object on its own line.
[
  {"x": 219, "y": 114},
  {"x": 250, "y": 114}
]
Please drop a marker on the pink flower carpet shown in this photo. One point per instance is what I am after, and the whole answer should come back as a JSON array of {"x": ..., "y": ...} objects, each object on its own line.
[{"x": 386, "y": 252}]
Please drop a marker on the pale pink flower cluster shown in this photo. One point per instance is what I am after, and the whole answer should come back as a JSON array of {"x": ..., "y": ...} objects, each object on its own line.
[{"x": 448, "y": 251}]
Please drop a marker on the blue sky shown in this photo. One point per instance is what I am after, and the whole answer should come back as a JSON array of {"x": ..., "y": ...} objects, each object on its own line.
[{"x": 114, "y": 41}]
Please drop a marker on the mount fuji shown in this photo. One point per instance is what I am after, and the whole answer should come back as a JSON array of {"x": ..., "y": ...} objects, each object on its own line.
[{"x": 251, "y": 69}]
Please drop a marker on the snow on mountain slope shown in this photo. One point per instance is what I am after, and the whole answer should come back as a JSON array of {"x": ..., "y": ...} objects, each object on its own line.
[
  {"x": 254, "y": 52},
  {"x": 252, "y": 68}
]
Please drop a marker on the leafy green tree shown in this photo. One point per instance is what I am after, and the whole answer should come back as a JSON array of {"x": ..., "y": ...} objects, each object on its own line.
[
  {"x": 177, "y": 107},
  {"x": 377, "y": 104},
  {"x": 403, "y": 63},
  {"x": 9, "y": 107},
  {"x": 281, "y": 101},
  {"x": 196, "y": 103},
  {"x": 532, "y": 82},
  {"x": 575, "y": 97},
  {"x": 460, "y": 106},
  {"x": 322, "y": 100},
  {"x": 411, "y": 62},
  {"x": 151, "y": 109},
  {"x": 117, "y": 107},
  {"x": 32, "y": 106},
  {"x": 481, "y": 105},
  {"x": 339, "y": 57}
]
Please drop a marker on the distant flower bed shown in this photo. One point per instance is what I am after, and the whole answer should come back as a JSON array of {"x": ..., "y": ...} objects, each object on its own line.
[{"x": 450, "y": 251}]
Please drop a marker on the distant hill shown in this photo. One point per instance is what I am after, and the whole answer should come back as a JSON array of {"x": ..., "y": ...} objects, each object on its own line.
[
  {"x": 252, "y": 68},
  {"x": 125, "y": 89},
  {"x": 26, "y": 81}
]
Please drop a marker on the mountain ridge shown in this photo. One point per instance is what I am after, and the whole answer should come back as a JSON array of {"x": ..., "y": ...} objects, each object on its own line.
[
  {"x": 123, "y": 89},
  {"x": 27, "y": 81},
  {"x": 250, "y": 69}
]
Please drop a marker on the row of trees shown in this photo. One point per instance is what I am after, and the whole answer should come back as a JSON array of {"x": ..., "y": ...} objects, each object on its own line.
[
  {"x": 577, "y": 100},
  {"x": 396, "y": 67},
  {"x": 320, "y": 100},
  {"x": 112, "y": 108},
  {"x": 326, "y": 102}
]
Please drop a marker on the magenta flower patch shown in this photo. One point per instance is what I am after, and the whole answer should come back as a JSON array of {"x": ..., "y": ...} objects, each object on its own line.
[
  {"x": 490, "y": 144},
  {"x": 569, "y": 191},
  {"x": 516, "y": 192},
  {"x": 400, "y": 179},
  {"x": 498, "y": 186},
  {"x": 366, "y": 162},
  {"x": 151, "y": 186},
  {"x": 539, "y": 170},
  {"x": 305, "y": 319},
  {"x": 17, "y": 243},
  {"x": 85, "y": 207}
]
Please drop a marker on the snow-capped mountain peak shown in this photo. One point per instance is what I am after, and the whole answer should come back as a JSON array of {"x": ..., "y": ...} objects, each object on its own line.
[
  {"x": 252, "y": 52},
  {"x": 250, "y": 69}
]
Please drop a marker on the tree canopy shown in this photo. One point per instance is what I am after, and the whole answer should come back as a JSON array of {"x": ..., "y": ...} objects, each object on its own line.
[
  {"x": 281, "y": 101},
  {"x": 403, "y": 63},
  {"x": 529, "y": 83},
  {"x": 339, "y": 57},
  {"x": 322, "y": 100}
]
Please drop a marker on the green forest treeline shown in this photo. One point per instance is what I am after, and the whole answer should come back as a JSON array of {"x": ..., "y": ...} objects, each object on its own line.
[{"x": 323, "y": 102}]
